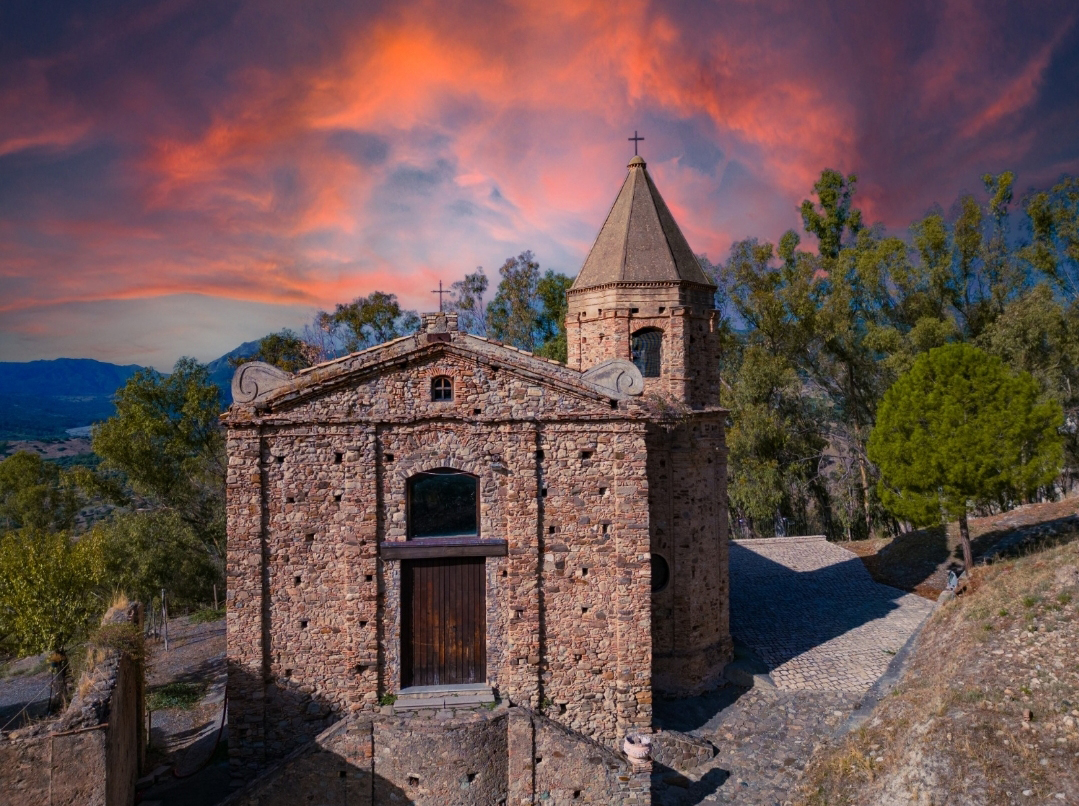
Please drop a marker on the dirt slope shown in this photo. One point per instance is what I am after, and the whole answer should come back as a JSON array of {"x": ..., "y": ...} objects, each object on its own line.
[{"x": 988, "y": 710}]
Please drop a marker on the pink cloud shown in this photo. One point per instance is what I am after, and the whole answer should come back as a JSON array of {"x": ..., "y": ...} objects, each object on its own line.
[{"x": 409, "y": 145}]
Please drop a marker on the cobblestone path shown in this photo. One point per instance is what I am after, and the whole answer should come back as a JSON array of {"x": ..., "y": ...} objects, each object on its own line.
[
  {"x": 812, "y": 613},
  {"x": 826, "y": 631},
  {"x": 765, "y": 739}
]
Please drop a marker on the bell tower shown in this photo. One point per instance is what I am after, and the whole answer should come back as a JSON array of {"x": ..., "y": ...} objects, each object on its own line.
[{"x": 643, "y": 296}]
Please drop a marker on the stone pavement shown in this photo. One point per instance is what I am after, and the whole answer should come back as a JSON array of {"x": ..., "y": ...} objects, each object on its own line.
[
  {"x": 826, "y": 631},
  {"x": 812, "y": 613}
]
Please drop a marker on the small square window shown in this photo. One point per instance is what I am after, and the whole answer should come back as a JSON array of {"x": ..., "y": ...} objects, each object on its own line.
[{"x": 441, "y": 388}]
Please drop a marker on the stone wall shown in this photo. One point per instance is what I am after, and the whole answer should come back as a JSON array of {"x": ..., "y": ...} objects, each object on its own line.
[
  {"x": 687, "y": 465},
  {"x": 89, "y": 755},
  {"x": 506, "y": 756},
  {"x": 568, "y": 768},
  {"x": 601, "y": 322},
  {"x": 315, "y": 486}
]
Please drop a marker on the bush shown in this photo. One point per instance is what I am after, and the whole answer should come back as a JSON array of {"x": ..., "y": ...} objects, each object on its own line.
[
  {"x": 148, "y": 551},
  {"x": 207, "y": 614}
]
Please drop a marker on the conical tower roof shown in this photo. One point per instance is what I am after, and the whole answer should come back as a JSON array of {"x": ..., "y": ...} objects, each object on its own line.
[{"x": 640, "y": 242}]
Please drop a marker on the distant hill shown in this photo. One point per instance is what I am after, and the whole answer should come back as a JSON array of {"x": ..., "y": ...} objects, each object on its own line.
[
  {"x": 44, "y": 399},
  {"x": 221, "y": 370}
]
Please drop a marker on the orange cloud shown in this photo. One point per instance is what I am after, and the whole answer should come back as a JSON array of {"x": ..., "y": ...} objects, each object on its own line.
[{"x": 262, "y": 160}]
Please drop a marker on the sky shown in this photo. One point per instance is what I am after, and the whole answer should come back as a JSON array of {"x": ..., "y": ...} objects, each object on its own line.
[{"x": 179, "y": 176}]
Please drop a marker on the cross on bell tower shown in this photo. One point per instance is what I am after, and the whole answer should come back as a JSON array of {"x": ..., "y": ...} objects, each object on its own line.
[{"x": 635, "y": 139}]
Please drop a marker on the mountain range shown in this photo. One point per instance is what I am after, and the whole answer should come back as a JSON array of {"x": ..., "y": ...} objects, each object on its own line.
[{"x": 47, "y": 399}]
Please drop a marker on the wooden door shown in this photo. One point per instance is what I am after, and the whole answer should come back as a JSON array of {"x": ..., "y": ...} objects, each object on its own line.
[{"x": 445, "y": 622}]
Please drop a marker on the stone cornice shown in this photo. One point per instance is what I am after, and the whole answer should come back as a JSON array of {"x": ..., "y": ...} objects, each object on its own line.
[{"x": 289, "y": 391}]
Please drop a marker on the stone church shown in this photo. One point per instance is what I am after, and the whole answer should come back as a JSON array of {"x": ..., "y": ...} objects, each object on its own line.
[{"x": 447, "y": 519}]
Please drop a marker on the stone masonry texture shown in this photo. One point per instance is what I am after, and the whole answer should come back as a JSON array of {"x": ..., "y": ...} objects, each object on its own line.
[
  {"x": 584, "y": 488},
  {"x": 89, "y": 754}
]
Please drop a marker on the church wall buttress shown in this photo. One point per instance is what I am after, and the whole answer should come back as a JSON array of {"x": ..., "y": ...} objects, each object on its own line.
[
  {"x": 690, "y": 629},
  {"x": 244, "y": 627}
]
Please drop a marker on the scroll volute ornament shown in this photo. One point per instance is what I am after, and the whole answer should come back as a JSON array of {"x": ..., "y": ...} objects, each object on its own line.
[
  {"x": 257, "y": 379},
  {"x": 618, "y": 376}
]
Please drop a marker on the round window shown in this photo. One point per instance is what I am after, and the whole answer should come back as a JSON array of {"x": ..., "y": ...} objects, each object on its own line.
[{"x": 661, "y": 573}]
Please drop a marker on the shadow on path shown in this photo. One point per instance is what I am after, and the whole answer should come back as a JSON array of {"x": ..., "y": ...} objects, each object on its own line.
[{"x": 781, "y": 612}]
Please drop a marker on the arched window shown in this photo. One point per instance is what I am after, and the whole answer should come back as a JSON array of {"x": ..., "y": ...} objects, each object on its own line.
[
  {"x": 441, "y": 388},
  {"x": 443, "y": 503},
  {"x": 661, "y": 573},
  {"x": 646, "y": 348}
]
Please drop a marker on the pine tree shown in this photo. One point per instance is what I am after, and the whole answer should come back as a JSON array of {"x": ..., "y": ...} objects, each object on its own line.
[{"x": 959, "y": 430}]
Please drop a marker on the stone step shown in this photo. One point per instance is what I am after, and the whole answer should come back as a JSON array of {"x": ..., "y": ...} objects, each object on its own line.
[
  {"x": 417, "y": 697},
  {"x": 746, "y": 673}
]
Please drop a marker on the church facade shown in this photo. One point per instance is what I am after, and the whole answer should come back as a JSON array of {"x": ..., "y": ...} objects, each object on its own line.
[{"x": 446, "y": 516}]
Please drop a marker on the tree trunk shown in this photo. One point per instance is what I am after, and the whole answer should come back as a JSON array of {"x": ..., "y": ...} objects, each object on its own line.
[
  {"x": 865, "y": 498},
  {"x": 61, "y": 671},
  {"x": 964, "y": 537}
]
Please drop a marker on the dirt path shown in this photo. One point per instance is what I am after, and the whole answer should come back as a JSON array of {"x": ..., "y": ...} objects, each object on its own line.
[{"x": 184, "y": 739}]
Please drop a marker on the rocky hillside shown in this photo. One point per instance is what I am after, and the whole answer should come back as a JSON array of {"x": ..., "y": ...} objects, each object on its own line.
[{"x": 988, "y": 711}]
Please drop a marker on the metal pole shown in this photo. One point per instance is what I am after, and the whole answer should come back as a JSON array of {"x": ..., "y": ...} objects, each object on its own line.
[
  {"x": 165, "y": 619},
  {"x": 215, "y": 596}
]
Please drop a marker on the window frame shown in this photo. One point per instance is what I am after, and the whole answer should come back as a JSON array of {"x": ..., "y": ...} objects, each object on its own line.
[
  {"x": 435, "y": 471},
  {"x": 434, "y": 389},
  {"x": 659, "y": 349}
]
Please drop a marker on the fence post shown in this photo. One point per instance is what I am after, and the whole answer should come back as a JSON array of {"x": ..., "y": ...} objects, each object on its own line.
[{"x": 165, "y": 619}]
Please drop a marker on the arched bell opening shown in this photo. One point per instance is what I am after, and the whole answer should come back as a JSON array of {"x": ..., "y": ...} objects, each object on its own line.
[{"x": 646, "y": 351}]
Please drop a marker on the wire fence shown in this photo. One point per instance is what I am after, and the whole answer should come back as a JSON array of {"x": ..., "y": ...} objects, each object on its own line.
[{"x": 35, "y": 698}]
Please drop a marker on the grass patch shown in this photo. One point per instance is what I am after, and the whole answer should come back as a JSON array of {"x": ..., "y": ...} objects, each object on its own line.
[
  {"x": 207, "y": 614},
  {"x": 175, "y": 695}
]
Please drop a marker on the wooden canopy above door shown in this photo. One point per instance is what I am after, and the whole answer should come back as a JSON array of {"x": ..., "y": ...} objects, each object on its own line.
[{"x": 431, "y": 547}]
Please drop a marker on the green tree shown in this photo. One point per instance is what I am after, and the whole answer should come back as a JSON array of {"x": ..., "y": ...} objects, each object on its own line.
[
  {"x": 167, "y": 439},
  {"x": 369, "y": 320},
  {"x": 1036, "y": 333},
  {"x": 551, "y": 322},
  {"x": 775, "y": 437},
  {"x": 36, "y": 494},
  {"x": 466, "y": 300},
  {"x": 959, "y": 430},
  {"x": 286, "y": 350},
  {"x": 1004, "y": 275},
  {"x": 835, "y": 215},
  {"x": 511, "y": 315},
  {"x": 147, "y": 551},
  {"x": 51, "y": 591},
  {"x": 529, "y": 308},
  {"x": 1054, "y": 223}
]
